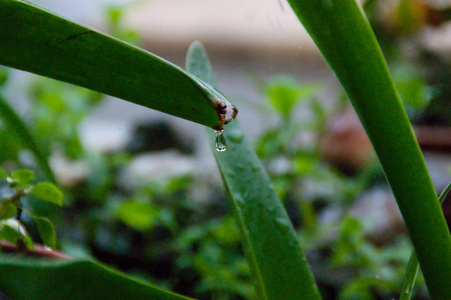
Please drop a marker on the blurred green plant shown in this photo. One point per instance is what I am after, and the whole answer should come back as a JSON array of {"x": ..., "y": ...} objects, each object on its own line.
[
  {"x": 162, "y": 232},
  {"x": 11, "y": 205}
]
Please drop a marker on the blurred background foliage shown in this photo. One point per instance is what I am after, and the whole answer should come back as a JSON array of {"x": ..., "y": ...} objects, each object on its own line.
[{"x": 177, "y": 231}]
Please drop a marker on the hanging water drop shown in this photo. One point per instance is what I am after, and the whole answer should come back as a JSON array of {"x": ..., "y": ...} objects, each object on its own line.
[{"x": 220, "y": 141}]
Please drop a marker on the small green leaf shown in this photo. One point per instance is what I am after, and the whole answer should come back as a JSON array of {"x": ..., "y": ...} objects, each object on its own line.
[
  {"x": 48, "y": 192},
  {"x": 27, "y": 241},
  {"x": 3, "y": 173},
  {"x": 138, "y": 215},
  {"x": 9, "y": 234},
  {"x": 7, "y": 210},
  {"x": 283, "y": 94},
  {"x": 22, "y": 176},
  {"x": 46, "y": 231}
]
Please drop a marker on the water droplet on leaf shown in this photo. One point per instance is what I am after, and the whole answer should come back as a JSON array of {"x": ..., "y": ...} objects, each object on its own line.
[{"x": 220, "y": 141}]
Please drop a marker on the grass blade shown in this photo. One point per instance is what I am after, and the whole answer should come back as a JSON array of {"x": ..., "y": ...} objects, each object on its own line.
[
  {"x": 278, "y": 265},
  {"x": 18, "y": 128},
  {"x": 413, "y": 266},
  {"x": 47, "y": 279},
  {"x": 37, "y": 41},
  {"x": 345, "y": 39}
]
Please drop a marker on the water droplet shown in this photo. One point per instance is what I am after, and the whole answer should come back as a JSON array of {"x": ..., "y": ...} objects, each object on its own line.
[
  {"x": 220, "y": 141},
  {"x": 377, "y": 276},
  {"x": 48, "y": 248}
]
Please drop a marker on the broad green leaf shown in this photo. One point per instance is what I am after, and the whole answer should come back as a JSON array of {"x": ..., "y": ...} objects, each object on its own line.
[
  {"x": 46, "y": 231},
  {"x": 3, "y": 174},
  {"x": 345, "y": 38},
  {"x": 47, "y": 192},
  {"x": 19, "y": 130},
  {"x": 408, "y": 282},
  {"x": 37, "y": 41},
  {"x": 7, "y": 210},
  {"x": 22, "y": 176},
  {"x": 279, "y": 268},
  {"x": 74, "y": 279}
]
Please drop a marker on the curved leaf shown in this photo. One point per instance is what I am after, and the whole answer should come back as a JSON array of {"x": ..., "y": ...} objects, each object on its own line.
[
  {"x": 345, "y": 39},
  {"x": 47, "y": 192},
  {"x": 22, "y": 176},
  {"x": 37, "y": 41},
  {"x": 47, "y": 279},
  {"x": 279, "y": 267},
  {"x": 46, "y": 231}
]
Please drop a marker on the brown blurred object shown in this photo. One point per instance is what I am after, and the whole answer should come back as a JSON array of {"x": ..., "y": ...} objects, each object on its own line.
[
  {"x": 347, "y": 147},
  {"x": 345, "y": 144},
  {"x": 434, "y": 138},
  {"x": 408, "y": 16}
]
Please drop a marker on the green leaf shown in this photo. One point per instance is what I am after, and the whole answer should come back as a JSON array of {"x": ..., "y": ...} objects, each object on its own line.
[
  {"x": 35, "y": 40},
  {"x": 278, "y": 266},
  {"x": 3, "y": 75},
  {"x": 48, "y": 192},
  {"x": 46, "y": 231},
  {"x": 3, "y": 174},
  {"x": 23, "y": 176},
  {"x": 284, "y": 93},
  {"x": 9, "y": 234},
  {"x": 74, "y": 279},
  {"x": 17, "y": 128},
  {"x": 7, "y": 210},
  {"x": 25, "y": 239},
  {"x": 408, "y": 282},
  {"x": 138, "y": 215},
  {"x": 345, "y": 38}
]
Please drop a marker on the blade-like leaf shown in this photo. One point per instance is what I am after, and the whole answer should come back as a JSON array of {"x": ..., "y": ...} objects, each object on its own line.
[
  {"x": 413, "y": 266},
  {"x": 47, "y": 192},
  {"x": 30, "y": 278},
  {"x": 345, "y": 39},
  {"x": 279, "y": 267},
  {"x": 40, "y": 42},
  {"x": 20, "y": 131}
]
